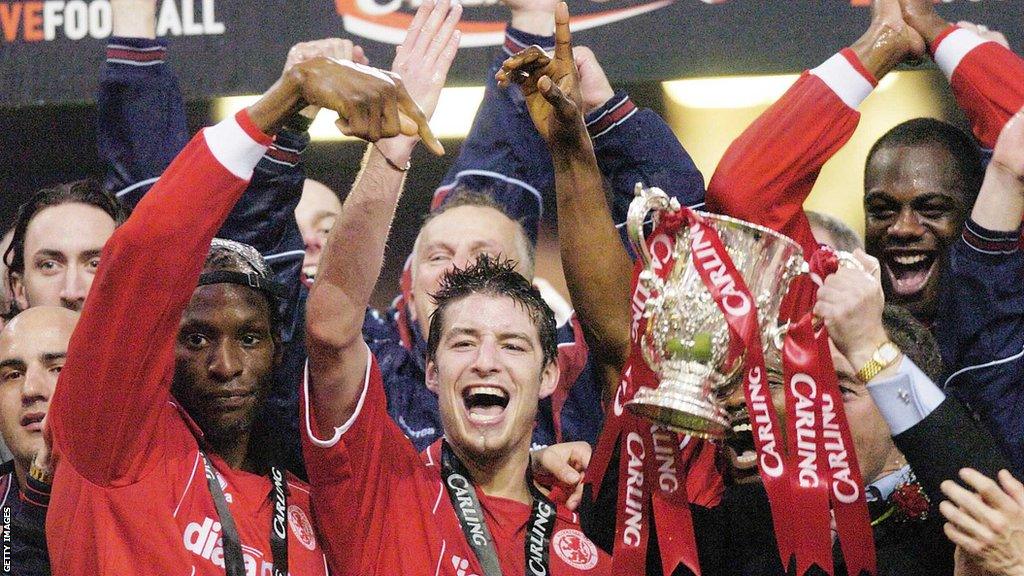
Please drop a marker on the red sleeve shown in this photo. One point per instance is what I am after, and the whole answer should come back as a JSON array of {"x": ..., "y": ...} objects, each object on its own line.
[
  {"x": 767, "y": 173},
  {"x": 987, "y": 80},
  {"x": 355, "y": 474},
  {"x": 116, "y": 382}
]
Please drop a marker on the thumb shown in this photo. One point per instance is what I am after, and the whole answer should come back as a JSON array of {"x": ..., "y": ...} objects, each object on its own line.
[{"x": 554, "y": 95}]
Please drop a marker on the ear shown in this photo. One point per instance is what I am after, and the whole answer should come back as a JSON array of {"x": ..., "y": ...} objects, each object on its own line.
[
  {"x": 18, "y": 290},
  {"x": 548, "y": 379},
  {"x": 433, "y": 380}
]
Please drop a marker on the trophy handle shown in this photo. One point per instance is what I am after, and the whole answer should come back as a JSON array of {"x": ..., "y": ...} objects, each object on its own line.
[{"x": 647, "y": 200}]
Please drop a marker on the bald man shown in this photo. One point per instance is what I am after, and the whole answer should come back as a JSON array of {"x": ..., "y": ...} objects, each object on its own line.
[{"x": 33, "y": 346}]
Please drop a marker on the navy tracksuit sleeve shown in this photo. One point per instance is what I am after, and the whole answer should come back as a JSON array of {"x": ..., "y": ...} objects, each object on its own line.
[
  {"x": 980, "y": 328},
  {"x": 141, "y": 127},
  {"x": 632, "y": 144},
  {"x": 140, "y": 116}
]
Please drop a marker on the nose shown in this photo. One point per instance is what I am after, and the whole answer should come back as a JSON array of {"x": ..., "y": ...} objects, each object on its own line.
[
  {"x": 907, "y": 225},
  {"x": 75, "y": 288},
  {"x": 486, "y": 360},
  {"x": 36, "y": 387},
  {"x": 225, "y": 361}
]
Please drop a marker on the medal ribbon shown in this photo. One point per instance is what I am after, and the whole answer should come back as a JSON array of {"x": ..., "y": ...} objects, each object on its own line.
[
  {"x": 462, "y": 493},
  {"x": 846, "y": 486},
  {"x": 234, "y": 563}
]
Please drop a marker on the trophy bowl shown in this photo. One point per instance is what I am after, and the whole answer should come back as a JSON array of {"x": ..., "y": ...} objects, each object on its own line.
[{"x": 687, "y": 341}]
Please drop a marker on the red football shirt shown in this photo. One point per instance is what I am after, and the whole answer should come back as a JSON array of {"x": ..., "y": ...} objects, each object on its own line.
[
  {"x": 130, "y": 495},
  {"x": 381, "y": 508}
]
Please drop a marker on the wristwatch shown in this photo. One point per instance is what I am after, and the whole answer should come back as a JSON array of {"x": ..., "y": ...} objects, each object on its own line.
[{"x": 884, "y": 356}]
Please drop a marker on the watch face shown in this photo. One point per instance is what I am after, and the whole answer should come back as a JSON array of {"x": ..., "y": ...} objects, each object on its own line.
[{"x": 887, "y": 353}]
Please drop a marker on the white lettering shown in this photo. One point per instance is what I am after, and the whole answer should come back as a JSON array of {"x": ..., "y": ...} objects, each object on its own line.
[
  {"x": 101, "y": 22},
  {"x": 168, "y": 22},
  {"x": 805, "y": 389},
  {"x": 844, "y": 488},
  {"x": 210, "y": 24},
  {"x": 76, "y": 20},
  {"x": 634, "y": 490},
  {"x": 768, "y": 455},
  {"x": 664, "y": 454},
  {"x": 52, "y": 18}
]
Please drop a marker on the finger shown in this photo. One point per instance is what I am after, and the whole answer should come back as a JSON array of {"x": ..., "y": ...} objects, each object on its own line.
[
  {"x": 989, "y": 491},
  {"x": 413, "y": 33},
  {"x": 344, "y": 126},
  {"x": 431, "y": 26},
  {"x": 444, "y": 61},
  {"x": 414, "y": 122},
  {"x": 967, "y": 501},
  {"x": 964, "y": 522},
  {"x": 563, "y": 473},
  {"x": 527, "y": 60},
  {"x": 391, "y": 124},
  {"x": 563, "y": 38},
  {"x": 554, "y": 95},
  {"x": 869, "y": 263},
  {"x": 1012, "y": 486},
  {"x": 962, "y": 540},
  {"x": 443, "y": 36},
  {"x": 576, "y": 499},
  {"x": 359, "y": 56}
]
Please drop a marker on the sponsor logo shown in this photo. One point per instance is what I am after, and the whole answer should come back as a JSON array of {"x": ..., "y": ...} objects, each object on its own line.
[
  {"x": 575, "y": 549},
  {"x": 844, "y": 488},
  {"x": 387, "y": 20},
  {"x": 204, "y": 540},
  {"x": 665, "y": 456},
  {"x": 77, "y": 19},
  {"x": 535, "y": 547},
  {"x": 805, "y": 390},
  {"x": 634, "y": 490},
  {"x": 736, "y": 303},
  {"x": 461, "y": 566},
  {"x": 769, "y": 459},
  {"x": 301, "y": 527},
  {"x": 469, "y": 514}
]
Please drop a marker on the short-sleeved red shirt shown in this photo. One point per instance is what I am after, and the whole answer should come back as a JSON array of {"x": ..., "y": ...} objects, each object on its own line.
[{"x": 381, "y": 508}]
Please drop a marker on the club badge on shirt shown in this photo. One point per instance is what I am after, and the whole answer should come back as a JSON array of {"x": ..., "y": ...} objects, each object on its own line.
[
  {"x": 301, "y": 527},
  {"x": 575, "y": 549}
]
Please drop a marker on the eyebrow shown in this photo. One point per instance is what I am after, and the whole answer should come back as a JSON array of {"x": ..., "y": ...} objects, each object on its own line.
[
  {"x": 47, "y": 253},
  {"x": 12, "y": 363},
  {"x": 53, "y": 357},
  {"x": 460, "y": 331}
]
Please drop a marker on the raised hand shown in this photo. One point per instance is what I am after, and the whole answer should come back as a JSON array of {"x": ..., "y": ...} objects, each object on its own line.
[
  {"x": 532, "y": 16},
  {"x": 888, "y": 40},
  {"x": 987, "y": 521},
  {"x": 921, "y": 15},
  {"x": 133, "y": 18},
  {"x": 336, "y": 48},
  {"x": 425, "y": 56},
  {"x": 550, "y": 84},
  {"x": 850, "y": 304},
  {"x": 594, "y": 86}
]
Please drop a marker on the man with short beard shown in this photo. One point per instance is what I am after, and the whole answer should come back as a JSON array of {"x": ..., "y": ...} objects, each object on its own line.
[{"x": 173, "y": 481}]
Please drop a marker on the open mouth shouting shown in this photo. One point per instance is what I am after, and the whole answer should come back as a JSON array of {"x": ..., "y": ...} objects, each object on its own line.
[
  {"x": 909, "y": 271},
  {"x": 485, "y": 404},
  {"x": 740, "y": 450}
]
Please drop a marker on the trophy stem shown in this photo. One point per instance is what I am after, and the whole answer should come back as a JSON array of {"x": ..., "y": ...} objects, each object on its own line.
[{"x": 683, "y": 402}]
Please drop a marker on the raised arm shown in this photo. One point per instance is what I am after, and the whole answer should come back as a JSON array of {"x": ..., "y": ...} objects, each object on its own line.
[
  {"x": 981, "y": 317},
  {"x": 140, "y": 115},
  {"x": 587, "y": 236},
  {"x": 116, "y": 381},
  {"x": 987, "y": 78},
  {"x": 769, "y": 170},
  {"x": 354, "y": 252}
]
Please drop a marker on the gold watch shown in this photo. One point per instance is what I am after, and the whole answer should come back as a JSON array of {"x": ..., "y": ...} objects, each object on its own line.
[{"x": 884, "y": 356}]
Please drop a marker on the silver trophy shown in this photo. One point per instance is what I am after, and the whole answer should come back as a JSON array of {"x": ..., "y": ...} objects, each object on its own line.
[{"x": 686, "y": 342}]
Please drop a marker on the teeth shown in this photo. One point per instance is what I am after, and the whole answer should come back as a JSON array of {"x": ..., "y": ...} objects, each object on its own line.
[
  {"x": 908, "y": 260},
  {"x": 742, "y": 427},
  {"x": 489, "y": 390},
  {"x": 748, "y": 457}
]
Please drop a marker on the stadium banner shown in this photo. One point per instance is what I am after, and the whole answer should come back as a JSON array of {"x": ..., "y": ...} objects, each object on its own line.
[{"x": 51, "y": 50}]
